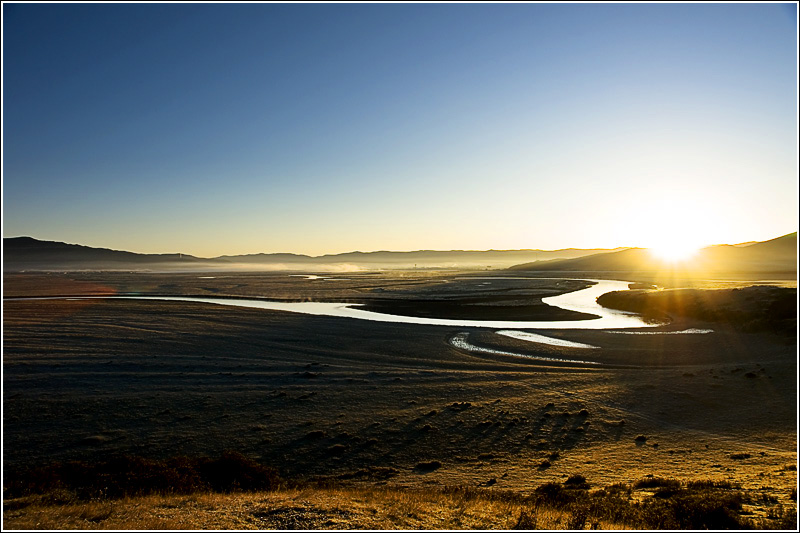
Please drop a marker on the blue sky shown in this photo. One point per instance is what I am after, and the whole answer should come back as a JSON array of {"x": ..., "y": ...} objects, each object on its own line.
[{"x": 220, "y": 129}]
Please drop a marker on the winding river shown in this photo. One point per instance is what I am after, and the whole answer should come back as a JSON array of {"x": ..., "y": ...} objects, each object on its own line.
[{"x": 583, "y": 301}]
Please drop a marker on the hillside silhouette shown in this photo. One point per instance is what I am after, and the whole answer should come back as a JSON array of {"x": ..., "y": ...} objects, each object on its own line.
[
  {"x": 776, "y": 257},
  {"x": 27, "y": 253}
]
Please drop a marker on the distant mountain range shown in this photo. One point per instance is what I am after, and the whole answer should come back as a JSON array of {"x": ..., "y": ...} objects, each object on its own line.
[
  {"x": 775, "y": 257},
  {"x": 26, "y": 253}
]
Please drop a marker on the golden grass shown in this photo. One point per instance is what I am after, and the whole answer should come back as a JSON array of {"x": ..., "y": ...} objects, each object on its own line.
[{"x": 337, "y": 508}]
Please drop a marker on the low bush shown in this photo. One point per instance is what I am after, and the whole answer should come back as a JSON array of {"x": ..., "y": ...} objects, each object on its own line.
[
  {"x": 710, "y": 484},
  {"x": 700, "y": 504},
  {"x": 527, "y": 521},
  {"x": 703, "y": 509},
  {"x": 428, "y": 466},
  {"x": 740, "y": 456},
  {"x": 554, "y": 495},
  {"x": 656, "y": 482},
  {"x": 576, "y": 481}
]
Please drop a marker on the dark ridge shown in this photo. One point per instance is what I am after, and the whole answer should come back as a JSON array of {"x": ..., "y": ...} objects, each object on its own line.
[{"x": 27, "y": 253}]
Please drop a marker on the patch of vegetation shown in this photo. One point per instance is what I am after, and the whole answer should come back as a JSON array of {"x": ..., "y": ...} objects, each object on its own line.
[
  {"x": 576, "y": 481},
  {"x": 132, "y": 476},
  {"x": 710, "y": 484},
  {"x": 428, "y": 466},
  {"x": 703, "y": 504},
  {"x": 656, "y": 482},
  {"x": 756, "y": 308},
  {"x": 554, "y": 494},
  {"x": 527, "y": 521},
  {"x": 699, "y": 504}
]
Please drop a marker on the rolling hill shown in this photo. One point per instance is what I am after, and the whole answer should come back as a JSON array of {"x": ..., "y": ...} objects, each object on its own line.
[
  {"x": 775, "y": 257},
  {"x": 26, "y": 253}
]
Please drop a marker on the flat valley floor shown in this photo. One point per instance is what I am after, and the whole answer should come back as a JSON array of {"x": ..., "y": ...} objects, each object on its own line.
[{"x": 385, "y": 404}]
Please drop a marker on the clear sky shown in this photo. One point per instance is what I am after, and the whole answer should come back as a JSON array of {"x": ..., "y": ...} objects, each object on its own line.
[{"x": 216, "y": 129}]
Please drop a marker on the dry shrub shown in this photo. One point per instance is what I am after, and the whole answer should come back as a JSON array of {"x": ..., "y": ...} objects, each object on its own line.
[
  {"x": 698, "y": 505},
  {"x": 656, "y": 482},
  {"x": 527, "y": 520}
]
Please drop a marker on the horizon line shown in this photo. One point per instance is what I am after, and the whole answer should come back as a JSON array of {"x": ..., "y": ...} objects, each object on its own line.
[{"x": 619, "y": 248}]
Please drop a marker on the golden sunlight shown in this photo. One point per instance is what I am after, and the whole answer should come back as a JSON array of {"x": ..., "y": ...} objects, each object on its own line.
[
  {"x": 674, "y": 227},
  {"x": 675, "y": 242},
  {"x": 674, "y": 251}
]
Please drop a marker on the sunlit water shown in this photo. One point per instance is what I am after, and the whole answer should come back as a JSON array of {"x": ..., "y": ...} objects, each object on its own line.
[
  {"x": 541, "y": 339},
  {"x": 461, "y": 341},
  {"x": 314, "y": 276},
  {"x": 690, "y": 331},
  {"x": 583, "y": 301}
]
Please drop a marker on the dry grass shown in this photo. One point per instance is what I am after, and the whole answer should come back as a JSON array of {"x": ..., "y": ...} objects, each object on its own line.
[
  {"x": 652, "y": 503},
  {"x": 338, "y": 508}
]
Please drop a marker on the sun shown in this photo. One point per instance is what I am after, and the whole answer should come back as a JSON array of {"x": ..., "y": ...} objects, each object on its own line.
[
  {"x": 674, "y": 230},
  {"x": 674, "y": 251},
  {"x": 675, "y": 244}
]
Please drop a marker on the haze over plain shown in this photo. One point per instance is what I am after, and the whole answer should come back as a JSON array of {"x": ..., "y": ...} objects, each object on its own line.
[{"x": 235, "y": 129}]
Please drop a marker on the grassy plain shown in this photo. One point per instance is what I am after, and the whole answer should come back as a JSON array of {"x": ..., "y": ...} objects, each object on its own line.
[{"x": 378, "y": 406}]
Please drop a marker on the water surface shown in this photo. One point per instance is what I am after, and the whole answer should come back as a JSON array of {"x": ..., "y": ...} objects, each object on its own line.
[
  {"x": 541, "y": 339},
  {"x": 461, "y": 341},
  {"x": 583, "y": 301}
]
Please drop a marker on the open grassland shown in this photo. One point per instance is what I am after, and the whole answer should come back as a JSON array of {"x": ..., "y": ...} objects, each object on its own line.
[
  {"x": 389, "y": 409},
  {"x": 650, "y": 503}
]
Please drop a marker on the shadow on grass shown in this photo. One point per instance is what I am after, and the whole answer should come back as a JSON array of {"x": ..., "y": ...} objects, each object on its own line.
[{"x": 132, "y": 476}]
